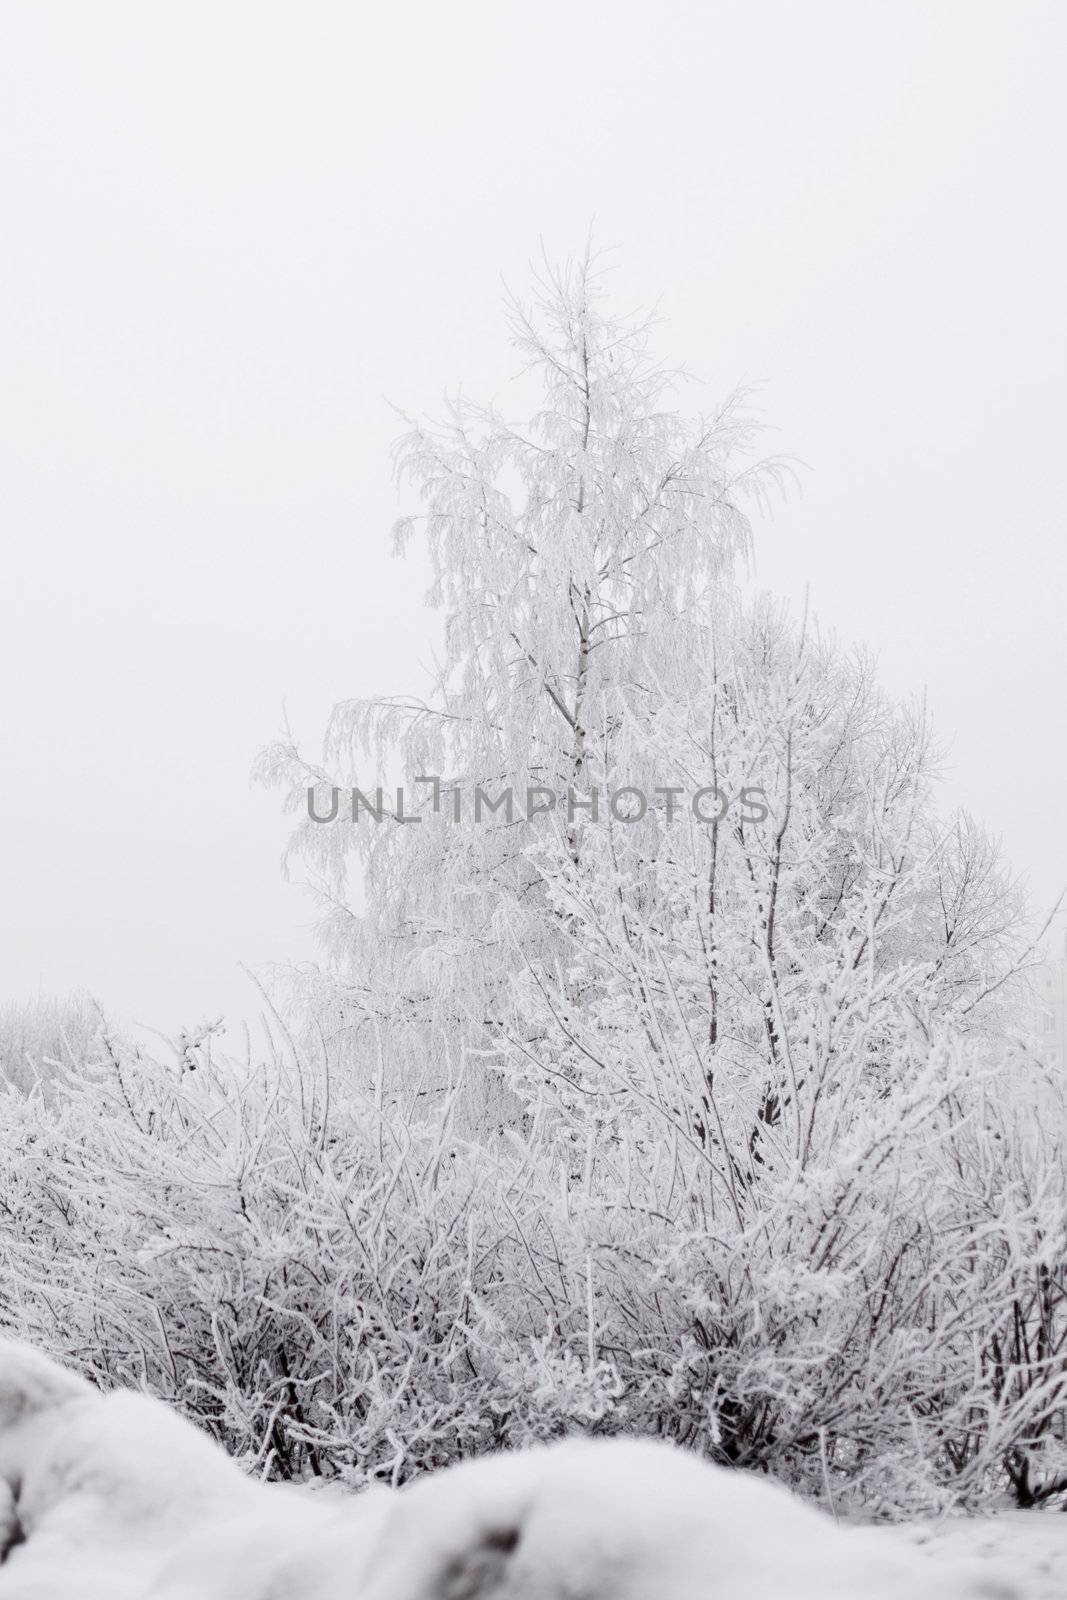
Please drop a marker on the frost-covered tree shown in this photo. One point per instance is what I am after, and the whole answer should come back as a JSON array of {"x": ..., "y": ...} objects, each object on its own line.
[{"x": 595, "y": 641}]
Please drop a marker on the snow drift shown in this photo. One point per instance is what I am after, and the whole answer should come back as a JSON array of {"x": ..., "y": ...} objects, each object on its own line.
[{"x": 114, "y": 1495}]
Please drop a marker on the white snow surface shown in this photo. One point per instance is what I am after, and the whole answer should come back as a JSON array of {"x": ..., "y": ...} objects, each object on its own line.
[
  {"x": 1026, "y": 1550},
  {"x": 115, "y": 1496}
]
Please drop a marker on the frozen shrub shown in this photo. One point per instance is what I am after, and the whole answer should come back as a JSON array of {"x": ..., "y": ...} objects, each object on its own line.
[
  {"x": 37, "y": 1036},
  {"x": 339, "y": 1289}
]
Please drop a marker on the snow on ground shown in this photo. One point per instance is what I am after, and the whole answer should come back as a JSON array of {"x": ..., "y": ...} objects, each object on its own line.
[
  {"x": 1026, "y": 1548},
  {"x": 114, "y": 1497}
]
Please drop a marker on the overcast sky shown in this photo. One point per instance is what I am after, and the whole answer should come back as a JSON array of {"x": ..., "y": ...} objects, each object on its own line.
[{"x": 234, "y": 233}]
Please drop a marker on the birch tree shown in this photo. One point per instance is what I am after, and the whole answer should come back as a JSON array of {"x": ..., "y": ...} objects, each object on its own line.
[{"x": 595, "y": 639}]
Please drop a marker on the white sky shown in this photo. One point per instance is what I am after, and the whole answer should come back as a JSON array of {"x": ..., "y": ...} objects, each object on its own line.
[{"x": 231, "y": 232}]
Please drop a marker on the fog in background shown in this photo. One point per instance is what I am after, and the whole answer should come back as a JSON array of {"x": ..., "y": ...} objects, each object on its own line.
[{"x": 234, "y": 234}]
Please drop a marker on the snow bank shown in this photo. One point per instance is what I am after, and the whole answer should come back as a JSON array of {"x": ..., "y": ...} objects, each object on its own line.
[{"x": 114, "y": 1495}]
